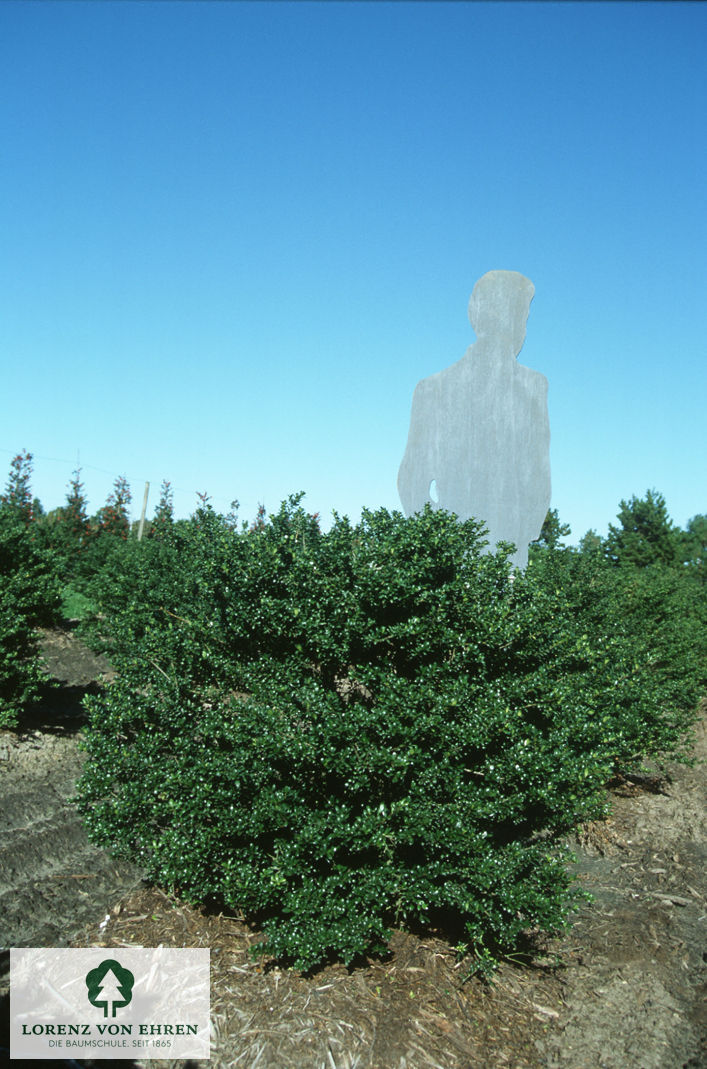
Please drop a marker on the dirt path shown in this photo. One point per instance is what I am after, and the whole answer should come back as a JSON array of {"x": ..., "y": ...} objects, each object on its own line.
[
  {"x": 628, "y": 992},
  {"x": 52, "y": 880},
  {"x": 633, "y": 991}
]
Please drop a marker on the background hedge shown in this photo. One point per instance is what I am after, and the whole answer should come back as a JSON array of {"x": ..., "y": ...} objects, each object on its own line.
[{"x": 29, "y": 597}]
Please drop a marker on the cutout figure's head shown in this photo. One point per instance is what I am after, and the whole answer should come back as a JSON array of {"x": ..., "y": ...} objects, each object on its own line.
[{"x": 499, "y": 307}]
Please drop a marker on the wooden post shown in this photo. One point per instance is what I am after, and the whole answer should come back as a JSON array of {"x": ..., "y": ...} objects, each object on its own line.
[{"x": 142, "y": 515}]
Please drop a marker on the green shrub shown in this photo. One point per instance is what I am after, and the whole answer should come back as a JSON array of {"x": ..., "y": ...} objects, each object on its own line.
[
  {"x": 29, "y": 597},
  {"x": 340, "y": 731},
  {"x": 646, "y": 627},
  {"x": 75, "y": 605},
  {"x": 665, "y": 611}
]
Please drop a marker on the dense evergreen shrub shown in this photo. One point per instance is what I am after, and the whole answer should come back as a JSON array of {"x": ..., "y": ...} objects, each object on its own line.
[
  {"x": 648, "y": 625},
  {"x": 340, "y": 731},
  {"x": 29, "y": 596},
  {"x": 693, "y": 546}
]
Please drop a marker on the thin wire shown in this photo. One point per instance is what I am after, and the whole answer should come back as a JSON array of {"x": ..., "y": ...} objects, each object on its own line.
[{"x": 115, "y": 474}]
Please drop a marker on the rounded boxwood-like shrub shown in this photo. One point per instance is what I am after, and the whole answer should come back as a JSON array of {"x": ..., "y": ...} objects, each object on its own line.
[{"x": 336, "y": 732}]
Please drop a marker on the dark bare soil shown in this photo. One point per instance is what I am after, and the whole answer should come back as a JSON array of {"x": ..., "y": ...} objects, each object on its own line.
[
  {"x": 52, "y": 880},
  {"x": 624, "y": 989}
]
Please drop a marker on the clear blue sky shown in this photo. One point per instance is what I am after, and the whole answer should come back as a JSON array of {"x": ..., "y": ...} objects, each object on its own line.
[{"x": 235, "y": 235}]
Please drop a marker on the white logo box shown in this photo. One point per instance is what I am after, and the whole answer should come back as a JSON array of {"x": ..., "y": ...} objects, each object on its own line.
[{"x": 107, "y": 1002}]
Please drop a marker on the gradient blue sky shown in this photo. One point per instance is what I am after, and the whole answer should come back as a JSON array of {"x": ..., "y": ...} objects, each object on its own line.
[{"x": 235, "y": 235}]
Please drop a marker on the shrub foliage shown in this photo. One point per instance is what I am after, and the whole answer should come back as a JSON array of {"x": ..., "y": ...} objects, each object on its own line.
[
  {"x": 29, "y": 596},
  {"x": 379, "y": 724}
]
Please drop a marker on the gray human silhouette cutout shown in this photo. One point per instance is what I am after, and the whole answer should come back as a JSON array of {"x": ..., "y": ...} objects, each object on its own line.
[{"x": 479, "y": 430}]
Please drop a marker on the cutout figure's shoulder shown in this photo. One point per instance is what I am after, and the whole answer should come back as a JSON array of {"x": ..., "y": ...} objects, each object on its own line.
[{"x": 534, "y": 380}]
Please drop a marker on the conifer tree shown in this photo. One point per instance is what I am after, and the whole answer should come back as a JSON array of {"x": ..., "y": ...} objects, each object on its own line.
[
  {"x": 644, "y": 535},
  {"x": 164, "y": 513},
  {"x": 553, "y": 530},
  {"x": 18, "y": 494},
  {"x": 590, "y": 542},
  {"x": 75, "y": 515},
  {"x": 113, "y": 518}
]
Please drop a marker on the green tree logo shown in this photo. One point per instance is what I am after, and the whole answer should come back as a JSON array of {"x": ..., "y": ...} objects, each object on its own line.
[{"x": 110, "y": 985}]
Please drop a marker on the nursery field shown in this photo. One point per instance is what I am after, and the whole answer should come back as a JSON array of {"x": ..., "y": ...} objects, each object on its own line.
[
  {"x": 625, "y": 987},
  {"x": 425, "y": 809}
]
